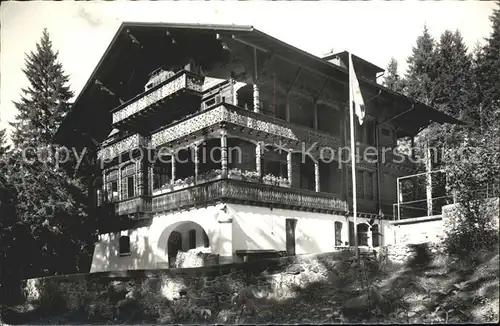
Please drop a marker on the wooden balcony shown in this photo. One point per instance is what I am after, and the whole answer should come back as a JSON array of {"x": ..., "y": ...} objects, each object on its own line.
[
  {"x": 127, "y": 144},
  {"x": 249, "y": 193},
  {"x": 137, "y": 206},
  {"x": 184, "y": 86},
  {"x": 244, "y": 121}
]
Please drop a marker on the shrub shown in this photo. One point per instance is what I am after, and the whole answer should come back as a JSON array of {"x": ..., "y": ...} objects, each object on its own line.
[{"x": 51, "y": 298}]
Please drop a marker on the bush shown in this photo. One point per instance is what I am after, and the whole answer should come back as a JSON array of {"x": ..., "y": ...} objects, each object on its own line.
[
  {"x": 51, "y": 299},
  {"x": 471, "y": 228}
]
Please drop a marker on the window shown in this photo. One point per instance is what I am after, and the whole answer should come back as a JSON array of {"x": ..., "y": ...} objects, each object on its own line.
[
  {"x": 386, "y": 132},
  {"x": 338, "y": 234},
  {"x": 130, "y": 187},
  {"x": 369, "y": 185},
  {"x": 370, "y": 132},
  {"x": 363, "y": 234},
  {"x": 128, "y": 181},
  {"x": 274, "y": 162},
  {"x": 112, "y": 191},
  {"x": 111, "y": 186},
  {"x": 124, "y": 245},
  {"x": 351, "y": 233},
  {"x": 359, "y": 131},
  {"x": 375, "y": 236},
  {"x": 360, "y": 191},
  {"x": 162, "y": 172},
  {"x": 192, "y": 239}
]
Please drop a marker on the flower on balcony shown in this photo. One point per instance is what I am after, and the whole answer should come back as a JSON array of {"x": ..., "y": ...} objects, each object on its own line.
[
  {"x": 276, "y": 180},
  {"x": 250, "y": 175},
  {"x": 210, "y": 175},
  {"x": 270, "y": 179},
  {"x": 180, "y": 183},
  {"x": 284, "y": 182},
  {"x": 167, "y": 185},
  {"x": 235, "y": 173}
]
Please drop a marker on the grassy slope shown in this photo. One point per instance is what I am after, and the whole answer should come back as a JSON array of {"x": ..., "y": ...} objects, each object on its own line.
[{"x": 326, "y": 290}]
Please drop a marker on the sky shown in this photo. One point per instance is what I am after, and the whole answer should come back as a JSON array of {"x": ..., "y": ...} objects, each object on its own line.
[{"x": 374, "y": 30}]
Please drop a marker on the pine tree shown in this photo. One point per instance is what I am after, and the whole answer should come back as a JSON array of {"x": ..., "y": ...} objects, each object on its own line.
[
  {"x": 392, "y": 78},
  {"x": 488, "y": 74},
  {"x": 3, "y": 143},
  {"x": 50, "y": 200},
  {"x": 453, "y": 83},
  {"x": 421, "y": 69},
  {"x": 41, "y": 108}
]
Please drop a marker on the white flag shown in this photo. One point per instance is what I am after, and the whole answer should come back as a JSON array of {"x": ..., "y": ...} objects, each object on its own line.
[{"x": 359, "y": 104}]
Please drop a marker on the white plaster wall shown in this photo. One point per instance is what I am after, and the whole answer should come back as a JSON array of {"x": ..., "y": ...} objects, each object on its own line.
[
  {"x": 388, "y": 234},
  {"x": 148, "y": 245},
  {"x": 260, "y": 228},
  {"x": 420, "y": 232},
  {"x": 229, "y": 228}
]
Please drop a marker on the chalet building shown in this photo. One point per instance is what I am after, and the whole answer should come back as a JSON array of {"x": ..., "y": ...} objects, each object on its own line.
[{"x": 226, "y": 140}]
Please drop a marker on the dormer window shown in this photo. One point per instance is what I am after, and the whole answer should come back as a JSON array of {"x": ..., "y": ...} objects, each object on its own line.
[{"x": 157, "y": 77}]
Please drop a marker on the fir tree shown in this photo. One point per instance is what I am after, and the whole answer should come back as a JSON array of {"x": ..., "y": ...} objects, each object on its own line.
[
  {"x": 50, "y": 201},
  {"x": 392, "y": 79},
  {"x": 488, "y": 74},
  {"x": 421, "y": 73},
  {"x": 3, "y": 142},
  {"x": 41, "y": 108},
  {"x": 452, "y": 86}
]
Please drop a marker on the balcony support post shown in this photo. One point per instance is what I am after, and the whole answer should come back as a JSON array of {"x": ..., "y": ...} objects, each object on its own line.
[
  {"x": 316, "y": 176},
  {"x": 223, "y": 148},
  {"x": 173, "y": 168},
  {"x": 119, "y": 184},
  {"x": 258, "y": 158},
  {"x": 289, "y": 167},
  {"x": 315, "y": 115},
  {"x": 235, "y": 92},
  {"x": 196, "y": 163},
  {"x": 287, "y": 112},
  {"x": 256, "y": 96}
]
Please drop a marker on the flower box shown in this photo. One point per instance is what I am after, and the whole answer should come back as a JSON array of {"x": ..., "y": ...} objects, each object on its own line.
[{"x": 250, "y": 176}]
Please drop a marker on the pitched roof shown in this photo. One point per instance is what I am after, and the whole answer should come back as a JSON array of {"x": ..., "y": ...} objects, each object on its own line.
[{"x": 90, "y": 113}]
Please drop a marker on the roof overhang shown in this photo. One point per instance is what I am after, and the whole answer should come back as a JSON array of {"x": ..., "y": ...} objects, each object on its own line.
[
  {"x": 123, "y": 66},
  {"x": 344, "y": 55}
]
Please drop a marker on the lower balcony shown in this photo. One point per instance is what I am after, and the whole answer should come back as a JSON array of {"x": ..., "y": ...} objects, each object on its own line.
[
  {"x": 248, "y": 193},
  {"x": 137, "y": 206}
]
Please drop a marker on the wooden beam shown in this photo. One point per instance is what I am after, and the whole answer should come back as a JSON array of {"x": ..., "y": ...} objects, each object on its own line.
[
  {"x": 295, "y": 78},
  {"x": 316, "y": 97}
]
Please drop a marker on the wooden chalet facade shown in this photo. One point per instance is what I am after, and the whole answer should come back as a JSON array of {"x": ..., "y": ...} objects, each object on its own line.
[{"x": 198, "y": 121}]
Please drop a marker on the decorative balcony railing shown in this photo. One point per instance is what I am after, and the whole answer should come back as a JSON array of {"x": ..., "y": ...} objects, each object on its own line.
[
  {"x": 181, "y": 81},
  {"x": 136, "y": 205},
  {"x": 246, "y": 119},
  {"x": 122, "y": 146},
  {"x": 248, "y": 192}
]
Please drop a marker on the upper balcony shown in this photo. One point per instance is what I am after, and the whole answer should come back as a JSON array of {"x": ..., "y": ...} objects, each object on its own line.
[
  {"x": 121, "y": 146},
  {"x": 183, "y": 87},
  {"x": 241, "y": 121}
]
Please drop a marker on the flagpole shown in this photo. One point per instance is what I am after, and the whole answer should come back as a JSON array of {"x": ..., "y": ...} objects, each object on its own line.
[{"x": 353, "y": 159}]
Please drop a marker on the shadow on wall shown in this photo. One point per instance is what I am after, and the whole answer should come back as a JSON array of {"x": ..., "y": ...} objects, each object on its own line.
[
  {"x": 264, "y": 228},
  {"x": 107, "y": 255}
]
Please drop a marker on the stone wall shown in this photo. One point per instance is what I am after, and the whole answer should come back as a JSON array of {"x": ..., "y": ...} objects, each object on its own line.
[
  {"x": 188, "y": 295},
  {"x": 195, "y": 258},
  {"x": 411, "y": 253}
]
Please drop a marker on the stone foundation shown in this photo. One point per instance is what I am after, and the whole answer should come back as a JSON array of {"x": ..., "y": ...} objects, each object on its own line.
[
  {"x": 411, "y": 253},
  {"x": 195, "y": 258}
]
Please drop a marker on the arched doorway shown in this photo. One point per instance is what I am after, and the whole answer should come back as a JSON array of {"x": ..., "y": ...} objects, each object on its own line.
[
  {"x": 174, "y": 245},
  {"x": 185, "y": 237}
]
